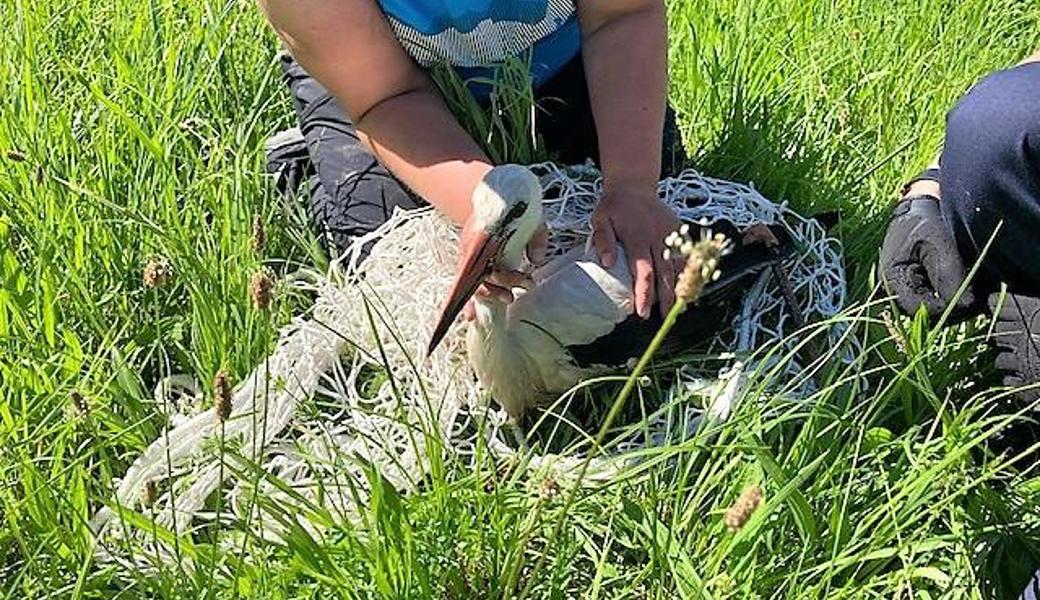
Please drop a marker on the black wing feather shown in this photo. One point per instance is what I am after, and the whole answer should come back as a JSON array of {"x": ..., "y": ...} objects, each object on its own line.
[{"x": 701, "y": 321}]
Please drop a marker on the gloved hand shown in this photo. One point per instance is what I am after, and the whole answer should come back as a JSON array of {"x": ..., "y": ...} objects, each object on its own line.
[
  {"x": 1016, "y": 335},
  {"x": 920, "y": 261}
]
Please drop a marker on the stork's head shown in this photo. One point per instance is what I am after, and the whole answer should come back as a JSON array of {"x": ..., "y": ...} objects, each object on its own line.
[{"x": 507, "y": 210}]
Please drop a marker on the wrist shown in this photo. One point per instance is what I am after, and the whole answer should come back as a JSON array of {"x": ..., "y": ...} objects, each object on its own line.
[{"x": 630, "y": 186}]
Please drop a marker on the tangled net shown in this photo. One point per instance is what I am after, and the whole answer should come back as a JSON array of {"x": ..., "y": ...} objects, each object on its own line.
[{"x": 347, "y": 386}]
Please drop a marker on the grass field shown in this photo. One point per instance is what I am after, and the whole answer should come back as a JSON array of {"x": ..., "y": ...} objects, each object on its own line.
[{"x": 134, "y": 129}]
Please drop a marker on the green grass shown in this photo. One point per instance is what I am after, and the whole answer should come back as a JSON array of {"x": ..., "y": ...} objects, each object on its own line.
[{"x": 133, "y": 129}]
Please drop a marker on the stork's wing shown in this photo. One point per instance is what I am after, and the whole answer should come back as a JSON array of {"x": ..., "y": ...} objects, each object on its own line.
[
  {"x": 575, "y": 300},
  {"x": 589, "y": 310}
]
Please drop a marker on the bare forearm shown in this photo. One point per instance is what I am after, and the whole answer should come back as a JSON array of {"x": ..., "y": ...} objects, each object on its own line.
[
  {"x": 418, "y": 139},
  {"x": 348, "y": 46},
  {"x": 626, "y": 68}
]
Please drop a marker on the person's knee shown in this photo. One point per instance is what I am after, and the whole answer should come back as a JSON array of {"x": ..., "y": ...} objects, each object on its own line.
[
  {"x": 990, "y": 170},
  {"x": 989, "y": 163},
  {"x": 992, "y": 126}
]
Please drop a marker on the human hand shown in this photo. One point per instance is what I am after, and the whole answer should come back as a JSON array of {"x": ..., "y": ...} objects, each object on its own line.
[
  {"x": 632, "y": 214},
  {"x": 920, "y": 260},
  {"x": 1016, "y": 329}
]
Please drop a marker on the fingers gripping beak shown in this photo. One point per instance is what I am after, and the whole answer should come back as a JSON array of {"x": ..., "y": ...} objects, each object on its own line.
[{"x": 477, "y": 260}]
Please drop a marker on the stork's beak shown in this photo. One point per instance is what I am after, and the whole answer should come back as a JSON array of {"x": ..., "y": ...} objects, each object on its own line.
[{"x": 477, "y": 260}]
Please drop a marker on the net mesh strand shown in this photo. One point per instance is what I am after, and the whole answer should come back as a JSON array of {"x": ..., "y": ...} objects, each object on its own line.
[{"x": 317, "y": 409}]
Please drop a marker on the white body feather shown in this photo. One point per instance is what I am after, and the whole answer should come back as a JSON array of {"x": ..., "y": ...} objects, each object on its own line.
[{"x": 520, "y": 352}]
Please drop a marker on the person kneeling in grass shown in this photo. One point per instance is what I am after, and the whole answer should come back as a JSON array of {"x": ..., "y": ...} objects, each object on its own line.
[
  {"x": 985, "y": 186},
  {"x": 379, "y": 134}
]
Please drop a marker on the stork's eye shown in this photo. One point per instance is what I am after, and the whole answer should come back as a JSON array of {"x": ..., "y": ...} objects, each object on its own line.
[{"x": 514, "y": 213}]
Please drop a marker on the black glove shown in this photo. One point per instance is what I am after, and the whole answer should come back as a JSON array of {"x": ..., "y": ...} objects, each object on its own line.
[
  {"x": 1016, "y": 340},
  {"x": 920, "y": 261},
  {"x": 1016, "y": 336}
]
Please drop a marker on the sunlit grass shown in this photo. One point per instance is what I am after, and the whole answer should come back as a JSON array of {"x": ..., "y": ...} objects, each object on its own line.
[{"x": 134, "y": 130}]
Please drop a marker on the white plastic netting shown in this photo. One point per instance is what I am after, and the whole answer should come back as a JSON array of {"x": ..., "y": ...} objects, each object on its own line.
[{"x": 347, "y": 385}]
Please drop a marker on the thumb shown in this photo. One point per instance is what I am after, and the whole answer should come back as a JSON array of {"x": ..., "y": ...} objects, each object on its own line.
[
  {"x": 948, "y": 273},
  {"x": 944, "y": 266},
  {"x": 604, "y": 241}
]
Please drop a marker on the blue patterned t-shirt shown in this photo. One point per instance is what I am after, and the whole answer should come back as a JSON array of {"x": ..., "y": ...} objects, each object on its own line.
[{"x": 475, "y": 34}]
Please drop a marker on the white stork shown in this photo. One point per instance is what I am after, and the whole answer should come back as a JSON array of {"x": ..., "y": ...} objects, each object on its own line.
[{"x": 578, "y": 319}]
